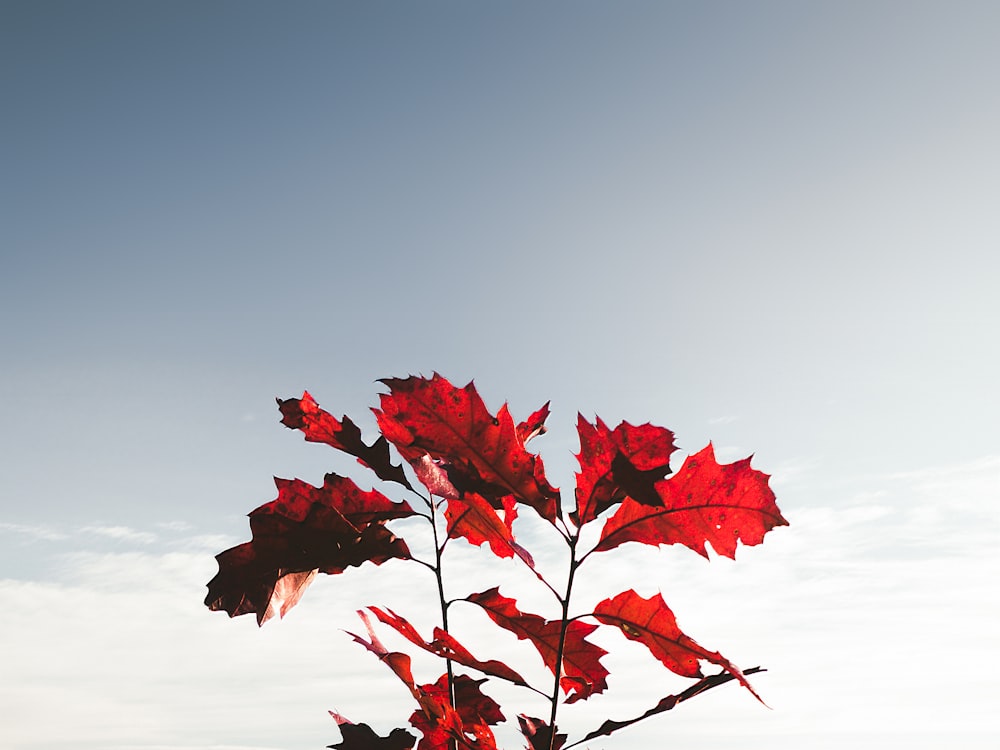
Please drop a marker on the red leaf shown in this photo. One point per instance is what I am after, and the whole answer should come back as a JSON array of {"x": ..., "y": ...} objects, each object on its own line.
[
  {"x": 474, "y": 706},
  {"x": 651, "y": 622},
  {"x": 582, "y": 672},
  {"x": 305, "y": 530},
  {"x": 468, "y": 724},
  {"x": 539, "y": 734},
  {"x": 666, "y": 704},
  {"x": 703, "y": 502},
  {"x": 614, "y": 464},
  {"x": 436, "y": 718},
  {"x": 397, "y": 661},
  {"x": 320, "y": 426},
  {"x": 363, "y": 737},
  {"x": 475, "y": 519},
  {"x": 481, "y": 453},
  {"x": 534, "y": 425},
  {"x": 447, "y": 647}
]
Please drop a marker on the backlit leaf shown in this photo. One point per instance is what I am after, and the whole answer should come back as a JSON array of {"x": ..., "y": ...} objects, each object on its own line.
[
  {"x": 619, "y": 463},
  {"x": 703, "y": 502},
  {"x": 477, "y": 521},
  {"x": 482, "y": 453},
  {"x": 651, "y": 622},
  {"x": 447, "y": 647},
  {"x": 582, "y": 672}
]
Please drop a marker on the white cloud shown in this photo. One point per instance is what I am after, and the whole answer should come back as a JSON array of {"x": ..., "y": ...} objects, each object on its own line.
[
  {"x": 866, "y": 616},
  {"x": 121, "y": 533},
  {"x": 33, "y": 531}
]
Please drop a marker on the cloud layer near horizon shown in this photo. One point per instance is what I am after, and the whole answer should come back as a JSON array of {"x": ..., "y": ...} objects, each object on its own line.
[{"x": 116, "y": 650}]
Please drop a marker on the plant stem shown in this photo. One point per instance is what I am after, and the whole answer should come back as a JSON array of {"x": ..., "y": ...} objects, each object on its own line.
[
  {"x": 571, "y": 540},
  {"x": 438, "y": 550}
]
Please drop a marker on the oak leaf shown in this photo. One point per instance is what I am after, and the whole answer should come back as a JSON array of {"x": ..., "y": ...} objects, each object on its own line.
[
  {"x": 305, "y": 530},
  {"x": 473, "y": 518},
  {"x": 651, "y": 622},
  {"x": 481, "y": 452},
  {"x": 319, "y": 426},
  {"x": 582, "y": 672},
  {"x": 704, "y": 502},
  {"x": 619, "y": 463}
]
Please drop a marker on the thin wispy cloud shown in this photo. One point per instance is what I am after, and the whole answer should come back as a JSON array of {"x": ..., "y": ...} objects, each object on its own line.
[
  {"x": 120, "y": 533},
  {"x": 32, "y": 532}
]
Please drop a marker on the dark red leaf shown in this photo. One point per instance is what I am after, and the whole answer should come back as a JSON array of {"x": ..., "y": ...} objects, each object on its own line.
[
  {"x": 320, "y": 426},
  {"x": 305, "y": 530},
  {"x": 539, "y": 734},
  {"x": 474, "y": 706},
  {"x": 665, "y": 704},
  {"x": 363, "y": 737},
  {"x": 651, "y": 622},
  {"x": 447, "y": 647},
  {"x": 481, "y": 452},
  {"x": 473, "y": 518},
  {"x": 703, "y": 502},
  {"x": 468, "y": 725},
  {"x": 627, "y": 461},
  {"x": 582, "y": 672}
]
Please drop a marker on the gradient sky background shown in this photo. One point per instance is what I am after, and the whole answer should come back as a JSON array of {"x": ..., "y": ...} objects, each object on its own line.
[{"x": 773, "y": 225}]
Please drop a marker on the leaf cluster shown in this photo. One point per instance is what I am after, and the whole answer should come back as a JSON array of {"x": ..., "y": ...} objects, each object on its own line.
[{"x": 470, "y": 475}]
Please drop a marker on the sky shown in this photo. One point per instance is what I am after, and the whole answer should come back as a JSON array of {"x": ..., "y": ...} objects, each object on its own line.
[{"x": 769, "y": 225}]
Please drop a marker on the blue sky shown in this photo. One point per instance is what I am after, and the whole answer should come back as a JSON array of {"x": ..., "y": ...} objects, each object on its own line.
[{"x": 769, "y": 225}]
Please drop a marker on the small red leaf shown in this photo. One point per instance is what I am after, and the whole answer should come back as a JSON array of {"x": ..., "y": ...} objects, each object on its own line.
[
  {"x": 582, "y": 672},
  {"x": 703, "y": 502},
  {"x": 363, "y": 737},
  {"x": 447, "y": 647},
  {"x": 625, "y": 462},
  {"x": 534, "y": 425},
  {"x": 320, "y": 426},
  {"x": 476, "y": 520},
  {"x": 480, "y": 452},
  {"x": 539, "y": 734},
  {"x": 651, "y": 622}
]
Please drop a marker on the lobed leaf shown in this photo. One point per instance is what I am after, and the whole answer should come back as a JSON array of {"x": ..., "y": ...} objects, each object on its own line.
[
  {"x": 473, "y": 518},
  {"x": 651, "y": 622},
  {"x": 320, "y": 426},
  {"x": 481, "y": 453},
  {"x": 619, "y": 463},
  {"x": 704, "y": 502},
  {"x": 582, "y": 673},
  {"x": 305, "y": 530}
]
